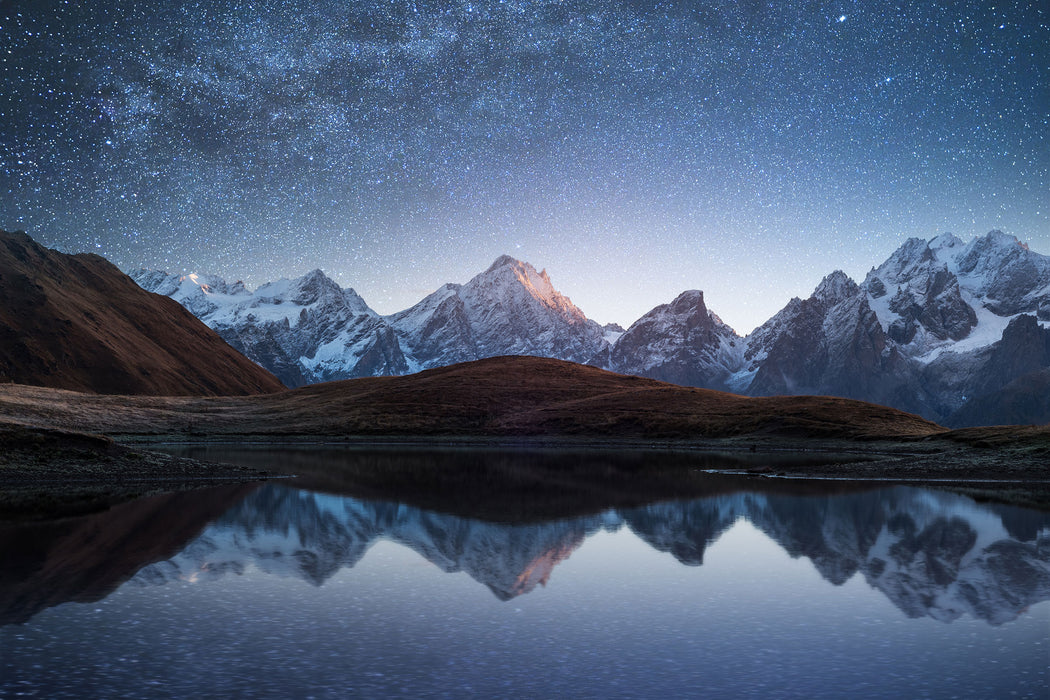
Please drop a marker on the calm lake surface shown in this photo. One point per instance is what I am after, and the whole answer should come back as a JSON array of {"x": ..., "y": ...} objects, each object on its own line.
[{"x": 275, "y": 590}]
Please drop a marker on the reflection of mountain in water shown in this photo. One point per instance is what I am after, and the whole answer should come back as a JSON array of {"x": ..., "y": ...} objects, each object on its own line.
[
  {"x": 311, "y": 536},
  {"x": 85, "y": 559},
  {"x": 930, "y": 553}
]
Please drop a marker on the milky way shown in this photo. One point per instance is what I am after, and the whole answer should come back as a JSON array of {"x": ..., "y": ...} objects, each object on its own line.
[{"x": 633, "y": 149}]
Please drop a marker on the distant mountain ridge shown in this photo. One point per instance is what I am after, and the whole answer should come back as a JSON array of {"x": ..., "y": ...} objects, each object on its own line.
[
  {"x": 941, "y": 328},
  {"x": 310, "y": 330}
]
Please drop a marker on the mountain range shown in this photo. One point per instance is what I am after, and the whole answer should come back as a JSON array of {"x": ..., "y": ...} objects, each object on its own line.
[{"x": 957, "y": 332}]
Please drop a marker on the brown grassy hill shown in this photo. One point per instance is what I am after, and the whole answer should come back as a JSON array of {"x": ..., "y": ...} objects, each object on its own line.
[
  {"x": 502, "y": 396},
  {"x": 77, "y": 322},
  {"x": 531, "y": 396}
]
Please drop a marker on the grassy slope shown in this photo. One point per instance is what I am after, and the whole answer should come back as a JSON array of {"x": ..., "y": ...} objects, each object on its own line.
[
  {"x": 77, "y": 322},
  {"x": 502, "y": 397}
]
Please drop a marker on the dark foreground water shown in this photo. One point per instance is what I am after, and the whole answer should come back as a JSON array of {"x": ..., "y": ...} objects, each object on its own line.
[{"x": 275, "y": 591}]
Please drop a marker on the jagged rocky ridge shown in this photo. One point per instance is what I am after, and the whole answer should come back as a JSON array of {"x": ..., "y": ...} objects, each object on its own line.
[
  {"x": 681, "y": 342},
  {"x": 950, "y": 330},
  {"x": 943, "y": 558}
]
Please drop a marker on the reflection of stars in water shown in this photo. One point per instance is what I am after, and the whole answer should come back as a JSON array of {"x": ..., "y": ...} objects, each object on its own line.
[{"x": 390, "y": 141}]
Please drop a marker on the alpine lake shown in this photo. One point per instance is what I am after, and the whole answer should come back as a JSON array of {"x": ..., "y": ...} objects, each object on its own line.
[{"x": 326, "y": 586}]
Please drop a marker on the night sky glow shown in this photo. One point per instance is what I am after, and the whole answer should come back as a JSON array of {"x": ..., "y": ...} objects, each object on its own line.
[{"x": 633, "y": 149}]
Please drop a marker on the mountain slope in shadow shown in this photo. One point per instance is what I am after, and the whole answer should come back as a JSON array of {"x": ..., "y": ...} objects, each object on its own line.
[{"x": 77, "y": 322}]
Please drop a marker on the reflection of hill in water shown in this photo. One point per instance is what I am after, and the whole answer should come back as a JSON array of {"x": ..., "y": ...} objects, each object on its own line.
[
  {"x": 930, "y": 553},
  {"x": 85, "y": 559}
]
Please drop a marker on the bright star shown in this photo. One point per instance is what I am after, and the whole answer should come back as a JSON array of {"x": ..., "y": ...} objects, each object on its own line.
[{"x": 842, "y": 18}]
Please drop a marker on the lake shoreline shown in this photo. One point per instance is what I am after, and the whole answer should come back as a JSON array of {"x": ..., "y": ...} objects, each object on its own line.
[{"x": 49, "y": 473}]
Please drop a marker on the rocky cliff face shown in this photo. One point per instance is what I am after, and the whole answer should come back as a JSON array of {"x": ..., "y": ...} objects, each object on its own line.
[
  {"x": 1006, "y": 276},
  {"x": 923, "y": 294},
  {"x": 1007, "y": 381},
  {"x": 829, "y": 344},
  {"x": 1023, "y": 400}
]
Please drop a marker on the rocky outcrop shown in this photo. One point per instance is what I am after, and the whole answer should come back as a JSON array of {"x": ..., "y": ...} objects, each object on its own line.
[
  {"x": 921, "y": 295},
  {"x": 832, "y": 344}
]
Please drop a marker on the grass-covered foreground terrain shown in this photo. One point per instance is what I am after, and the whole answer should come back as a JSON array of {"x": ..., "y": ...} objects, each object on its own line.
[{"x": 53, "y": 449}]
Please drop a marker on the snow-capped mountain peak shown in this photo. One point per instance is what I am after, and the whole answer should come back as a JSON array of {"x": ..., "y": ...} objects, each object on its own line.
[
  {"x": 510, "y": 309},
  {"x": 681, "y": 342},
  {"x": 946, "y": 241},
  {"x": 913, "y": 255},
  {"x": 507, "y": 277},
  {"x": 835, "y": 287},
  {"x": 503, "y": 261}
]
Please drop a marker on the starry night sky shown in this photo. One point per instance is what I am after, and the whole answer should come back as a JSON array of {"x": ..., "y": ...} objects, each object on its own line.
[{"x": 634, "y": 149}]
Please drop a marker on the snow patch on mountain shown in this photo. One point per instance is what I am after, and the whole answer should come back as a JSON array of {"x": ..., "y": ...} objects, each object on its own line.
[{"x": 612, "y": 332}]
